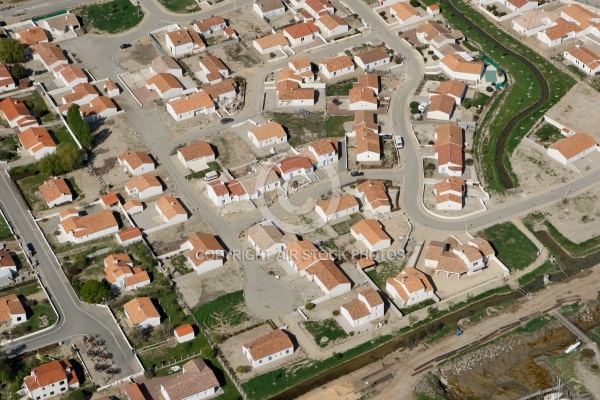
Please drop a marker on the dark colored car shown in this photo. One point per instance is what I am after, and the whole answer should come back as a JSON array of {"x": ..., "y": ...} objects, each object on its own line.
[
  {"x": 125, "y": 45},
  {"x": 357, "y": 173},
  {"x": 226, "y": 121}
]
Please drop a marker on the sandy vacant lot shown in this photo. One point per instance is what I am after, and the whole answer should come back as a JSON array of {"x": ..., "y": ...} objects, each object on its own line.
[
  {"x": 578, "y": 218},
  {"x": 573, "y": 110}
]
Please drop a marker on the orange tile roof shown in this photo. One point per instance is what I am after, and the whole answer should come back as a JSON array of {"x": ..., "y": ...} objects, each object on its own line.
[
  {"x": 331, "y": 21},
  {"x": 337, "y": 204},
  {"x": 129, "y": 205},
  {"x": 366, "y": 119},
  {"x": 268, "y": 131},
  {"x": 433, "y": 7},
  {"x": 269, "y": 344},
  {"x": 219, "y": 188},
  {"x": 209, "y": 22},
  {"x": 449, "y": 262},
  {"x": 163, "y": 81},
  {"x": 184, "y": 330},
  {"x": 586, "y": 56},
  {"x": 52, "y": 189},
  {"x": 205, "y": 242},
  {"x": 88, "y": 224},
  {"x": 140, "y": 309},
  {"x": 573, "y": 145},
  {"x": 135, "y": 159},
  {"x": 450, "y": 154},
  {"x": 369, "y": 80},
  {"x": 449, "y": 133},
  {"x": 10, "y": 305},
  {"x": 80, "y": 91},
  {"x": 128, "y": 234},
  {"x": 318, "y": 6},
  {"x": 49, "y": 53},
  {"x": 70, "y": 72},
  {"x": 367, "y": 141},
  {"x": 449, "y": 197},
  {"x": 328, "y": 274},
  {"x": 364, "y": 262},
  {"x": 138, "y": 277},
  {"x": 118, "y": 259},
  {"x": 217, "y": 89},
  {"x": 293, "y": 163},
  {"x": 404, "y": 11},
  {"x": 443, "y": 103},
  {"x": 452, "y": 183},
  {"x": 32, "y": 36},
  {"x": 356, "y": 309},
  {"x": 110, "y": 199},
  {"x": 374, "y": 54},
  {"x": 6, "y": 78},
  {"x": 451, "y": 87},
  {"x": 361, "y": 93},
  {"x": 337, "y": 63},
  {"x": 266, "y": 42},
  {"x": 170, "y": 207},
  {"x": 456, "y": 63},
  {"x": 582, "y": 15},
  {"x": 322, "y": 147},
  {"x": 470, "y": 252},
  {"x": 409, "y": 281},
  {"x": 195, "y": 101},
  {"x": 296, "y": 94},
  {"x": 36, "y": 138},
  {"x": 6, "y": 259},
  {"x": 213, "y": 64},
  {"x": 185, "y": 36},
  {"x": 302, "y": 29},
  {"x": 196, "y": 150},
  {"x": 97, "y": 106},
  {"x": 300, "y": 63},
  {"x": 483, "y": 245},
  {"x": 303, "y": 253},
  {"x": 371, "y": 230},
  {"x": 13, "y": 108},
  {"x": 561, "y": 29},
  {"x": 372, "y": 297},
  {"x": 143, "y": 182},
  {"x": 431, "y": 29},
  {"x": 374, "y": 191},
  {"x": 133, "y": 391},
  {"x": 50, "y": 373},
  {"x": 264, "y": 236}
]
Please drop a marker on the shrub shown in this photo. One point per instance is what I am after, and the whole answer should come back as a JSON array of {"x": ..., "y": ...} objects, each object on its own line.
[
  {"x": 93, "y": 291},
  {"x": 272, "y": 55},
  {"x": 415, "y": 3},
  {"x": 489, "y": 89},
  {"x": 242, "y": 369},
  {"x": 309, "y": 306},
  {"x": 336, "y": 313},
  {"x": 588, "y": 353}
]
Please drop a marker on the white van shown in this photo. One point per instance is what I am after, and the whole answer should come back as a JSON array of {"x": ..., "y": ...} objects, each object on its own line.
[
  {"x": 211, "y": 175},
  {"x": 399, "y": 140}
]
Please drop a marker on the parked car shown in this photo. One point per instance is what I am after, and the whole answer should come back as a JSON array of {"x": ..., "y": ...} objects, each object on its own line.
[
  {"x": 125, "y": 45},
  {"x": 226, "y": 121},
  {"x": 399, "y": 142},
  {"x": 385, "y": 135},
  {"x": 357, "y": 173}
]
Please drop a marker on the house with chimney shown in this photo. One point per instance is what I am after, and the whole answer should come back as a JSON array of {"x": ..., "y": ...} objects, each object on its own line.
[
  {"x": 171, "y": 210},
  {"x": 37, "y": 141},
  {"x": 119, "y": 272},
  {"x": 17, "y": 114},
  {"x": 463, "y": 259},
  {"x": 144, "y": 186},
  {"x": 136, "y": 162},
  {"x": 56, "y": 191},
  {"x": 371, "y": 234},
  {"x": 268, "y": 134},
  {"x": 50, "y": 379},
  {"x": 450, "y": 193},
  {"x": 141, "y": 312},
  {"x": 80, "y": 229},
  {"x": 375, "y": 197},
  {"x": 449, "y": 150},
  {"x": 182, "y": 42}
]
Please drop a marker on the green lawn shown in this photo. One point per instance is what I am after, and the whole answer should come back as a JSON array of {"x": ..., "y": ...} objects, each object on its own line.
[
  {"x": 340, "y": 89},
  {"x": 63, "y": 136},
  {"x": 513, "y": 248},
  {"x": 582, "y": 75},
  {"x": 112, "y": 17},
  {"x": 326, "y": 331},
  {"x": 4, "y": 229},
  {"x": 270, "y": 383},
  {"x": 43, "y": 308},
  {"x": 9, "y": 145},
  {"x": 29, "y": 189},
  {"x": 545, "y": 268},
  {"x": 418, "y": 306},
  {"x": 385, "y": 270},
  {"x": 535, "y": 324},
  {"x": 335, "y": 125},
  {"x": 301, "y": 129},
  {"x": 523, "y": 91},
  {"x": 212, "y": 166},
  {"x": 180, "y": 6},
  {"x": 548, "y": 133},
  {"x": 24, "y": 289},
  {"x": 226, "y": 311},
  {"x": 343, "y": 228},
  {"x": 38, "y": 106},
  {"x": 479, "y": 100}
]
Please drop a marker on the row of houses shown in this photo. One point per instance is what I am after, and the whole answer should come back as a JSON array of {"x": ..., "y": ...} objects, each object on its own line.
[{"x": 182, "y": 41}]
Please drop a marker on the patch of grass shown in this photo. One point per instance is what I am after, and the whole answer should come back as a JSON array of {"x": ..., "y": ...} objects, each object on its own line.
[
  {"x": 326, "y": 331},
  {"x": 545, "y": 268},
  {"x": 29, "y": 189},
  {"x": 548, "y": 133},
  {"x": 335, "y": 125},
  {"x": 179, "y": 264},
  {"x": 9, "y": 147},
  {"x": 155, "y": 358},
  {"x": 270, "y": 383},
  {"x": 62, "y": 135},
  {"x": 441, "y": 334},
  {"x": 42, "y": 309},
  {"x": 36, "y": 103},
  {"x": 574, "y": 249},
  {"x": 523, "y": 91},
  {"x": 418, "y": 306},
  {"x": 534, "y": 325},
  {"x": 23, "y": 289},
  {"x": 479, "y": 100},
  {"x": 4, "y": 229},
  {"x": 340, "y": 89},
  {"x": 111, "y": 17},
  {"x": 180, "y": 6},
  {"x": 225, "y": 311},
  {"x": 343, "y": 228},
  {"x": 513, "y": 248},
  {"x": 301, "y": 129},
  {"x": 582, "y": 75},
  {"x": 212, "y": 166},
  {"x": 383, "y": 271}
]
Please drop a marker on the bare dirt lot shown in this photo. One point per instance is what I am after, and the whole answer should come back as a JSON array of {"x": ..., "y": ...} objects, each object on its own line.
[
  {"x": 169, "y": 239},
  {"x": 573, "y": 110},
  {"x": 245, "y": 21},
  {"x": 200, "y": 289},
  {"x": 232, "y": 150},
  {"x": 139, "y": 55},
  {"x": 578, "y": 218}
]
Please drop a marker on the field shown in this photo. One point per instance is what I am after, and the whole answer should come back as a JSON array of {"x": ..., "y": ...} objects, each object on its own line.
[
  {"x": 513, "y": 248},
  {"x": 112, "y": 17},
  {"x": 302, "y": 129},
  {"x": 4, "y": 230},
  {"x": 224, "y": 312},
  {"x": 335, "y": 125},
  {"x": 37, "y": 104},
  {"x": 340, "y": 89},
  {"x": 181, "y": 6},
  {"x": 325, "y": 332}
]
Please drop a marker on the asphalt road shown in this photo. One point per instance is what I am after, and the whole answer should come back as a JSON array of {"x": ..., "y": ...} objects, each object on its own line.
[{"x": 75, "y": 318}]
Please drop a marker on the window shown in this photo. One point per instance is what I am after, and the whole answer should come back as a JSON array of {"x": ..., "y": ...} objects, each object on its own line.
[
  {"x": 260, "y": 361},
  {"x": 62, "y": 382},
  {"x": 63, "y": 389},
  {"x": 270, "y": 358},
  {"x": 287, "y": 351},
  {"x": 18, "y": 318}
]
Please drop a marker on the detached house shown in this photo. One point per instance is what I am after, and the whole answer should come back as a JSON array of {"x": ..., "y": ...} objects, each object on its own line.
[
  {"x": 37, "y": 142},
  {"x": 184, "y": 333},
  {"x": 204, "y": 252},
  {"x": 12, "y": 311},
  {"x": 195, "y": 382},
  {"x": 268, "y": 8},
  {"x": 196, "y": 155},
  {"x": 294, "y": 166},
  {"x": 171, "y": 210},
  {"x": 449, "y": 149},
  {"x": 99, "y": 108},
  {"x": 367, "y": 307},
  {"x": 70, "y": 75},
  {"x": 453, "y": 88},
  {"x": 184, "y": 41},
  {"x": 50, "y": 379},
  {"x": 141, "y": 312},
  {"x": 59, "y": 25},
  {"x": 56, "y": 191},
  {"x": 301, "y": 33},
  {"x": 373, "y": 58},
  {"x": 17, "y": 114},
  {"x": 165, "y": 85},
  {"x": 144, "y": 186},
  {"x": 368, "y": 147},
  {"x": 246, "y": 187},
  {"x": 210, "y": 25},
  {"x": 8, "y": 268},
  {"x": 268, "y": 348},
  {"x": 336, "y": 67},
  {"x": 584, "y": 59},
  {"x": 457, "y": 67},
  {"x": 450, "y": 193},
  {"x": 79, "y": 229},
  {"x": 190, "y": 106},
  {"x": 405, "y": 13},
  {"x": 441, "y": 107},
  {"x": 410, "y": 287},
  {"x": 332, "y": 25},
  {"x": 337, "y": 207},
  {"x": 362, "y": 98},
  {"x": 266, "y": 239},
  {"x": 136, "y": 162},
  {"x": 270, "y": 43},
  {"x": 50, "y": 55},
  {"x": 128, "y": 236},
  {"x": 213, "y": 69},
  {"x": 166, "y": 64},
  {"x": 323, "y": 152},
  {"x": 572, "y": 148},
  {"x": 119, "y": 272},
  {"x": 466, "y": 258},
  {"x": 302, "y": 254},
  {"x": 375, "y": 196},
  {"x": 269, "y": 134},
  {"x": 133, "y": 207},
  {"x": 32, "y": 36},
  {"x": 7, "y": 82},
  {"x": 328, "y": 276},
  {"x": 370, "y": 232},
  {"x": 318, "y": 8}
]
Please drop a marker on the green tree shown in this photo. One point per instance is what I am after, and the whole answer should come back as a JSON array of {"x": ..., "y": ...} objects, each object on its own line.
[
  {"x": 18, "y": 71},
  {"x": 80, "y": 128},
  {"x": 11, "y": 50},
  {"x": 94, "y": 291},
  {"x": 6, "y": 372},
  {"x": 67, "y": 158},
  {"x": 76, "y": 395}
]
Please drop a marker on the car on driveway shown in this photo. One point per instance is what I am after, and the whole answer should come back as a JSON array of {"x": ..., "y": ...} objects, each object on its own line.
[
  {"x": 125, "y": 45},
  {"x": 226, "y": 120},
  {"x": 357, "y": 173}
]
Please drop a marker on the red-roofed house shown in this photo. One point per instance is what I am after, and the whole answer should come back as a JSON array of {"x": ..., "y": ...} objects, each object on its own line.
[
  {"x": 136, "y": 162},
  {"x": 50, "y": 379},
  {"x": 79, "y": 229},
  {"x": 294, "y": 166},
  {"x": 332, "y": 25},
  {"x": 317, "y": 8},
  {"x": 38, "y": 142},
  {"x": 367, "y": 307},
  {"x": 6, "y": 80},
  {"x": 144, "y": 186},
  {"x": 165, "y": 85},
  {"x": 184, "y": 333},
  {"x": 450, "y": 193},
  {"x": 329, "y": 277},
  {"x": 184, "y": 41},
  {"x": 141, "y": 312},
  {"x": 270, "y": 43},
  {"x": 204, "y": 252},
  {"x": 8, "y": 269},
  {"x": 12, "y": 311},
  {"x": 189, "y": 106},
  {"x": 457, "y": 67},
  {"x": 129, "y": 236},
  {"x": 17, "y": 114},
  {"x": 70, "y": 74},
  {"x": 196, "y": 155},
  {"x": 516, "y": 6},
  {"x": 405, "y": 13},
  {"x": 214, "y": 69},
  {"x": 584, "y": 59},
  {"x": 410, "y": 287},
  {"x": 324, "y": 152},
  {"x": 99, "y": 108},
  {"x": 268, "y": 348},
  {"x": 301, "y": 33},
  {"x": 171, "y": 210},
  {"x": 210, "y": 25},
  {"x": 370, "y": 232},
  {"x": 55, "y": 191},
  {"x": 433, "y": 9},
  {"x": 195, "y": 382},
  {"x": 572, "y": 148},
  {"x": 268, "y": 134}
]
